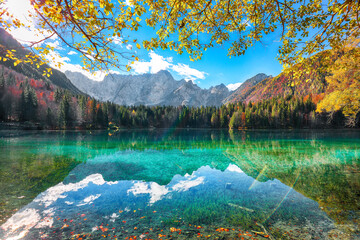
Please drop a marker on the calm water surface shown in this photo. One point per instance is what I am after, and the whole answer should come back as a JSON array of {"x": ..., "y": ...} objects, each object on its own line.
[{"x": 185, "y": 184}]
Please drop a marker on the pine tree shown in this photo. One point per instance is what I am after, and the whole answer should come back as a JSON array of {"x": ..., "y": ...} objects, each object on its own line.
[
  {"x": 64, "y": 112},
  {"x": 100, "y": 117},
  {"x": 58, "y": 95},
  {"x": 49, "y": 117},
  {"x": 2, "y": 83},
  {"x": 2, "y": 93},
  {"x": 11, "y": 80},
  {"x": 22, "y": 107},
  {"x": 214, "y": 120}
]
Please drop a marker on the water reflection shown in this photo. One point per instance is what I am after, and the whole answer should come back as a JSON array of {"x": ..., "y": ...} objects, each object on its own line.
[
  {"x": 281, "y": 184},
  {"x": 208, "y": 196}
]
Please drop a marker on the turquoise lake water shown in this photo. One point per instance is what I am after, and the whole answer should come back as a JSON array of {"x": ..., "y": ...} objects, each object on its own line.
[{"x": 183, "y": 184}]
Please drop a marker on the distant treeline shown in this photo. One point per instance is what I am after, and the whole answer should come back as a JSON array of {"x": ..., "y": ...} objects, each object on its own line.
[{"x": 47, "y": 106}]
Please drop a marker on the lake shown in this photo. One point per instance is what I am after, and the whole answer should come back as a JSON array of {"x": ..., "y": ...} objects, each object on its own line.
[{"x": 186, "y": 184}]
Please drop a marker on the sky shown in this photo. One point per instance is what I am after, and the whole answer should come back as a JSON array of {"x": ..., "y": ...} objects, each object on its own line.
[{"x": 214, "y": 68}]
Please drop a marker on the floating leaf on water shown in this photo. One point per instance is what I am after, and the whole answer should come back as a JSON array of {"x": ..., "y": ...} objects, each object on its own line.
[{"x": 65, "y": 226}]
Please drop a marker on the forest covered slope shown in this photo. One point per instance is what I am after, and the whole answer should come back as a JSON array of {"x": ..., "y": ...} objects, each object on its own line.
[
  {"x": 313, "y": 82},
  {"x": 324, "y": 91},
  {"x": 7, "y": 42}
]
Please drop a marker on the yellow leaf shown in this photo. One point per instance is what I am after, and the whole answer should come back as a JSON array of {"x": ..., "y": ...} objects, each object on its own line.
[{"x": 138, "y": 46}]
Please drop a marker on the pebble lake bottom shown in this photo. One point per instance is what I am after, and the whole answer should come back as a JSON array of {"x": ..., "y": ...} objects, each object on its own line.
[{"x": 180, "y": 184}]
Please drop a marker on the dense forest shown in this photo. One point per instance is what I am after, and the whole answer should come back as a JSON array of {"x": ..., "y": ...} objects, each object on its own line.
[{"x": 47, "y": 106}]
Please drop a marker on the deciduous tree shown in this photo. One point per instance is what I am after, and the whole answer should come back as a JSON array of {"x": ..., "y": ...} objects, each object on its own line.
[
  {"x": 94, "y": 27},
  {"x": 344, "y": 85}
]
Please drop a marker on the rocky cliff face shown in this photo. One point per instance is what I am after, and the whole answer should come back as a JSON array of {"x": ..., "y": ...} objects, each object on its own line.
[{"x": 149, "y": 89}]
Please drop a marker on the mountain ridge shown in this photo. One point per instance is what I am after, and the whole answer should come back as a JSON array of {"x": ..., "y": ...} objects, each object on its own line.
[
  {"x": 149, "y": 89},
  {"x": 58, "y": 78},
  {"x": 245, "y": 88}
]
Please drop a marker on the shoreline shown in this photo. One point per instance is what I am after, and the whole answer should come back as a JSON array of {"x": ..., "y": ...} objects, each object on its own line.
[{"x": 29, "y": 126}]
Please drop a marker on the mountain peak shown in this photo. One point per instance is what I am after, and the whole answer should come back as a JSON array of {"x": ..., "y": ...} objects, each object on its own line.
[
  {"x": 164, "y": 72},
  {"x": 257, "y": 78},
  {"x": 260, "y": 74},
  {"x": 220, "y": 86},
  {"x": 151, "y": 89},
  {"x": 244, "y": 89},
  {"x": 219, "y": 89}
]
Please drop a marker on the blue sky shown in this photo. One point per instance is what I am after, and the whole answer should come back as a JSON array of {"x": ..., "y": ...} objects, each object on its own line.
[
  {"x": 219, "y": 68},
  {"x": 214, "y": 68}
]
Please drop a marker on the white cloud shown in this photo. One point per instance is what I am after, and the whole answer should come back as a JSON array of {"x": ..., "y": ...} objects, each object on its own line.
[
  {"x": 95, "y": 76},
  {"x": 158, "y": 63},
  {"x": 30, "y": 34},
  {"x": 27, "y": 35},
  {"x": 155, "y": 190},
  {"x": 21, "y": 222},
  {"x": 117, "y": 40},
  {"x": 89, "y": 200},
  {"x": 185, "y": 185},
  {"x": 234, "y": 168},
  {"x": 141, "y": 67},
  {"x": 233, "y": 86},
  {"x": 246, "y": 22},
  {"x": 188, "y": 72},
  {"x": 55, "y": 45},
  {"x": 54, "y": 58},
  {"x": 52, "y": 194},
  {"x": 21, "y": 9}
]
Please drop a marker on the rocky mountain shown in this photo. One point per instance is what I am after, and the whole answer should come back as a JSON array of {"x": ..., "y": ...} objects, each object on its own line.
[
  {"x": 311, "y": 82},
  {"x": 245, "y": 89},
  {"x": 149, "y": 89},
  {"x": 7, "y": 42}
]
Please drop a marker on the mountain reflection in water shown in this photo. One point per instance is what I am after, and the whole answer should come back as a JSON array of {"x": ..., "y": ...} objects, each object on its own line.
[{"x": 287, "y": 185}]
